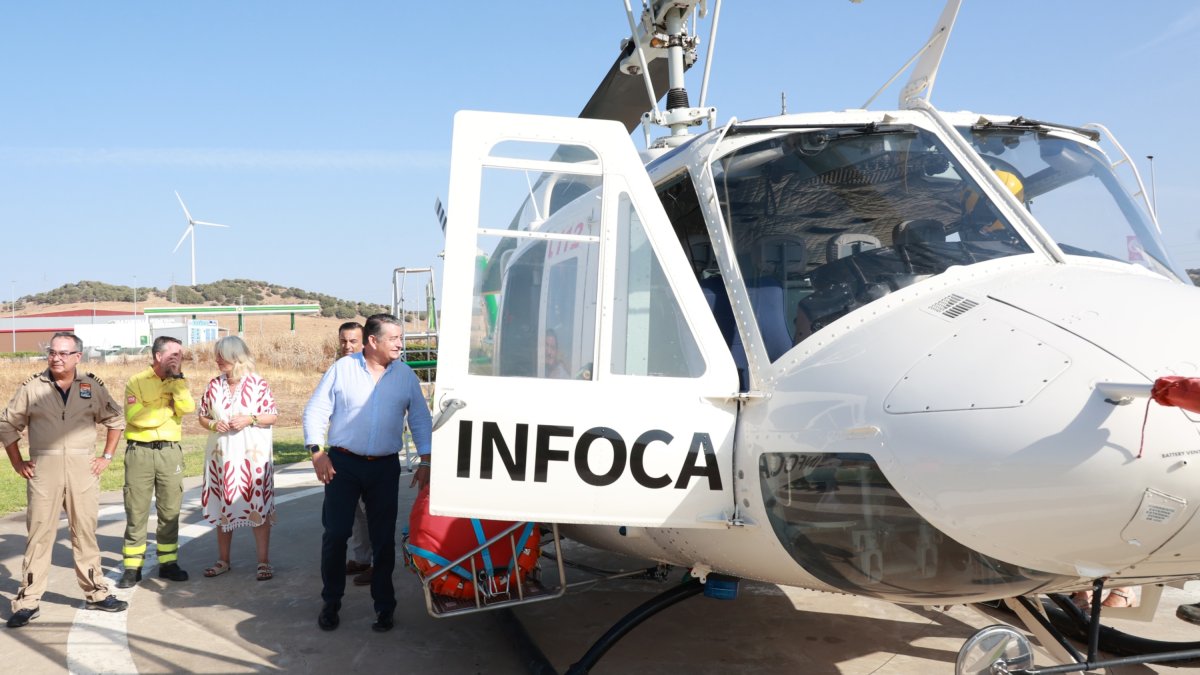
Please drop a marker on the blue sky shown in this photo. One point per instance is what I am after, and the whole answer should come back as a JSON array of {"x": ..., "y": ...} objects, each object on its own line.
[{"x": 320, "y": 132}]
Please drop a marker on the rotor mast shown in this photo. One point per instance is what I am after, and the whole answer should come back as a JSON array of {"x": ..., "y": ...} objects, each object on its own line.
[{"x": 663, "y": 33}]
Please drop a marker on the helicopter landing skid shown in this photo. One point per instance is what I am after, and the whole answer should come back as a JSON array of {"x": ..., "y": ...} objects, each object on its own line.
[{"x": 1002, "y": 649}]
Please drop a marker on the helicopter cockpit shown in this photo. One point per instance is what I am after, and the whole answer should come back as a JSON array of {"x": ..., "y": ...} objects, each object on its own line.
[
  {"x": 826, "y": 219},
  {"x": 1071, "y": 190}
]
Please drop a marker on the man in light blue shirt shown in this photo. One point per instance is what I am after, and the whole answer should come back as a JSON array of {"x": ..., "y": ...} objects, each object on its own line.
[{"x": 360, "y": 407}]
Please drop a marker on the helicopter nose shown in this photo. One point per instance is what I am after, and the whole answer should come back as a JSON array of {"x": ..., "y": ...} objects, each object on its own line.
[
  {"x": 989, "y": 442},
  {"x": 1145, "y": 320},
  {"x": 1063, "y": 476}
]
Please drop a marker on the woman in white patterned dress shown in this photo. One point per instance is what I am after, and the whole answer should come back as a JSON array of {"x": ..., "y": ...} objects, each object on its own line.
[{"x": 239, "y": 487}]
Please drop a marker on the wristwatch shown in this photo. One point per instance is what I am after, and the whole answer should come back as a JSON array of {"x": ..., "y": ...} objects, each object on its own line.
[
  {"x": 108, "y": 456},
  {"x": 314, "y": 449}
]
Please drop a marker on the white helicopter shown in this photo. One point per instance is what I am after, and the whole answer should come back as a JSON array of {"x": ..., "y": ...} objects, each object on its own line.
[{"x": 886, "y": 353}]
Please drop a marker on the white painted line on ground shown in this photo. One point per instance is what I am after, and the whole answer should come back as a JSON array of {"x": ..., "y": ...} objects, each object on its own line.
[{"x": 99, "y": 641}]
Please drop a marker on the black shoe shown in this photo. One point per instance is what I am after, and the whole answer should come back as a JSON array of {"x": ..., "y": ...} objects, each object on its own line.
[
  {"x": 24, "y": 616},
  {"x": 172, "y": 572},
  {"x": 383, "y": 622},
  {"x": 1189, "y": 613},
  {"x": 130, "y": 578},
  {"x": 328, "y": 618},
  {"x": 109, "y": 604}
]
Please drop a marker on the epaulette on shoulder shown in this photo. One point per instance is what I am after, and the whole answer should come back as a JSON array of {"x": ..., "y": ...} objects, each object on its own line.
[
  {"x": 98, "y": 380},
  {"x": 31, "y": 378}
]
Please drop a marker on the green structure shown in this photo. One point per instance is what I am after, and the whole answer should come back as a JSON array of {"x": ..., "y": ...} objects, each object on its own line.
[{"x": 240, "y": 310}]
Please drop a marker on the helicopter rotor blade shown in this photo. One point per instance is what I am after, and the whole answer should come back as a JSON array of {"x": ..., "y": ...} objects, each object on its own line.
[{"x": 622, "y": 97}]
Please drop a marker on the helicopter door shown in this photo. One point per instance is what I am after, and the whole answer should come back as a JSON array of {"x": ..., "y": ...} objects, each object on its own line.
[{"x": 581, "y": 377}]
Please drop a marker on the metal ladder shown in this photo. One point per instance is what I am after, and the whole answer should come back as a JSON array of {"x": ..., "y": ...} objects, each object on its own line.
[{"x": 419, "y": 345}]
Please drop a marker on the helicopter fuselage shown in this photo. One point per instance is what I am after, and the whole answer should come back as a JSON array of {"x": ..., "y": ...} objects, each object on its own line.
[{"x": 849, "y": 351}]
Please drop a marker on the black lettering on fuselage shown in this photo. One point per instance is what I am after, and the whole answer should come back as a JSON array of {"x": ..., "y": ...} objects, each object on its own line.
[
  {"x": 543, "y": 455},
  {"x": 465, "y": 427},
  {"x": 700, "y": 441},
  {"x": 699, "y": 462},
  {"x": 584, "y": 469},
  {"x": 637, "y": 459},
  {"x": 513, "y": 461}
]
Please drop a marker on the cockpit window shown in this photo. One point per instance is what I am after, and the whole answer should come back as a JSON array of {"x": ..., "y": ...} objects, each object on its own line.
[
  {"x": 1072, "y": 191},
  {"x": 824, "y": 221}
]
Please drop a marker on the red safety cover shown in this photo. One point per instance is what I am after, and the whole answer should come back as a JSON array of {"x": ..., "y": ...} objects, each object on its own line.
[{"x": 1181, "y": 392}]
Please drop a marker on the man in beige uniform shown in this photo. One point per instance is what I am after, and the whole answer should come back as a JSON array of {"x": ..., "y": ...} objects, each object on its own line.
[{"x": 61, "y": 408}]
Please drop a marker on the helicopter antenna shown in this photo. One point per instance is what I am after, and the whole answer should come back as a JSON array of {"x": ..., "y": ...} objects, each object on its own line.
[
  {"x": 783, "y": 103},
  {"x": 930, "y": 55}
]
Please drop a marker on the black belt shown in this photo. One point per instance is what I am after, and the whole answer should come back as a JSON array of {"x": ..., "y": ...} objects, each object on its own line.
[
  {"x": 369, "y": 458},
  {"x": 157, "y": 445}
]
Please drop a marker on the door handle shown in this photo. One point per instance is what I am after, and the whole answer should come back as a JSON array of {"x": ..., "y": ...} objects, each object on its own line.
[{"x": 449, "y": 407}]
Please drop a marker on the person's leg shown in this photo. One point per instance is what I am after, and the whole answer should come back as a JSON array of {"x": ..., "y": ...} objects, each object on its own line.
[
  {"x": 381, "y": 496},
  {"x": 82, "y": 501},
  {"x": 342, "y": 492},
  {"x": 360, "y": 541},
  {"x": 1122, "y": 596},
  {"x": 139, "y": 487},
  {"x": 44, "y": 493},
  {"x": 262, "y": 542},
  {"x": 168, "y": 496},
  {"x": 224, "y": 544}
]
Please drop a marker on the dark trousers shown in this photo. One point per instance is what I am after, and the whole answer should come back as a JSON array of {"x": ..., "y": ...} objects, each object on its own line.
[{"x": 377, "y": 483}]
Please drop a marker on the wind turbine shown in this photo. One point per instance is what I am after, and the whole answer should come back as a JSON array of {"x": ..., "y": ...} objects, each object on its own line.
[{"x": 191, "y": 230}]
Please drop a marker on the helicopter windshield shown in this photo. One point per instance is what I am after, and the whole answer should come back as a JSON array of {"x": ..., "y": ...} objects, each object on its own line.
[
  {"x": 1073, "y": 193},
  {"x": 827, "y": 220}
]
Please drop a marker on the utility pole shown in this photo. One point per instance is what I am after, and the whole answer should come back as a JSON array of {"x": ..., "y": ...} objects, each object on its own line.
[
  {"x": 135, "y": 326},
  {"x": 14, "y": 316}
]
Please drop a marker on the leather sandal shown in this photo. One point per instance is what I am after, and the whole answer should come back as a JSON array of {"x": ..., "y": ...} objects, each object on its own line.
[
  {"x": 1120, "y": 598},
  {"x": 221, "y": 567},
  {"x": 265, "y": 572}
]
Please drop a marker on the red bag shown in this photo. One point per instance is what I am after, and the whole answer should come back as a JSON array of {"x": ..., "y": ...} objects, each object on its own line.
[{"x": 435, "y": 541}]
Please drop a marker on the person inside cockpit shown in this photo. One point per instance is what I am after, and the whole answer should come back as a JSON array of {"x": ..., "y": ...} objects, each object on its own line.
[
  {"x": 980, "y": 222},
  {"x": 554, "y": 365}
]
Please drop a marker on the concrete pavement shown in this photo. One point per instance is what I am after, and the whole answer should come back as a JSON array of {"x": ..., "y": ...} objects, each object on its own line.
[{"x": 235, "y": 624}]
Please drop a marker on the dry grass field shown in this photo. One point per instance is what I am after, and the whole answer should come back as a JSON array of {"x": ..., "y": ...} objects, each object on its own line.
[{"x": 291, "y": 361}]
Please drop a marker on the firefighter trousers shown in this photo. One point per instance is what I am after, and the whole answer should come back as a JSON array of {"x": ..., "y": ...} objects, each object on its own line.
[{"x": 152, "y": 470}]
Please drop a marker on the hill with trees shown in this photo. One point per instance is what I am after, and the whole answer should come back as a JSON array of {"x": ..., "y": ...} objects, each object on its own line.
[{"x": 223, "y": 292}]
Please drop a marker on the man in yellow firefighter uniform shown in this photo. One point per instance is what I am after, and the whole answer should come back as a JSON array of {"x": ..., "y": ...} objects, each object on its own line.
[
  {"x": 61, "y": 408},
  {"x": 156, "y": 400}
]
